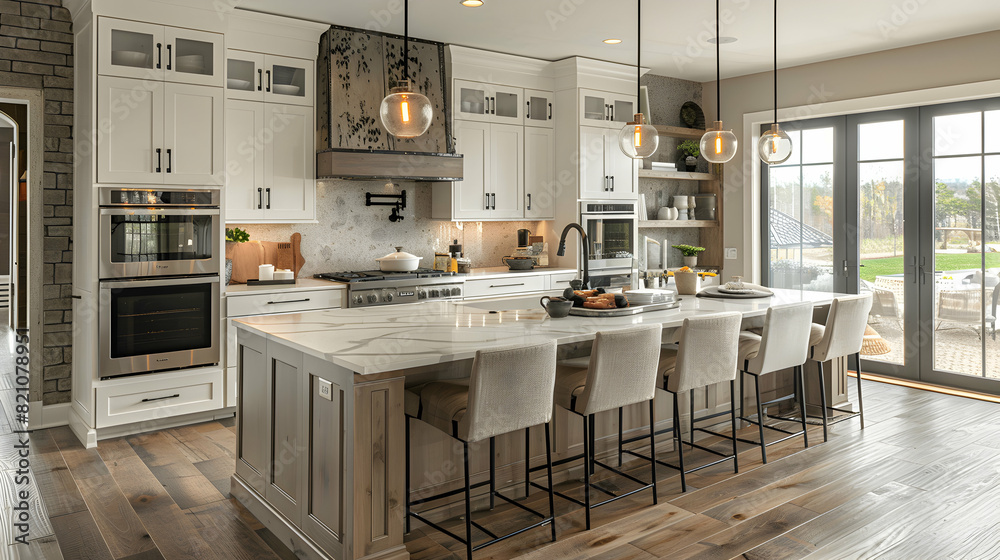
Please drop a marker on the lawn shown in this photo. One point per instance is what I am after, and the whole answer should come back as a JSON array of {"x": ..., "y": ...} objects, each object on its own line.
[{"x": 947, "y": 261}]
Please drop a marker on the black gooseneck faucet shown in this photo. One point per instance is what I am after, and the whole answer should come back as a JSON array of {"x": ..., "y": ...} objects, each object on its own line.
[{"x": 583, "y": 249}]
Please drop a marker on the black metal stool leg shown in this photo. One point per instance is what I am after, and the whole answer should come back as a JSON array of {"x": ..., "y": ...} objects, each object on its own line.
[
  {"x": 742, "y": 378},
  {"x": 407, "y": 478},
  {"x": 822, "y": 398},
  {"x": 548, "y": 468},
  {"x": 861, "y": 405},
  {"x": 802, "y": 404},
  {"x": 679, "y": 440},
  {"x": 593, "y": 442},
  {"x": 468, "y": 502},
  {"x": 760, "y": 419},
  {"x": 527, "y": 462},
  {"x": 620, "y": 416},
  {"x": 586, "y": 469},
  {"x": 652, "y": 448},
  {"x": 691, "y": 412},
  {"x": 732, "y": 414},
  {"x": 493, "y": 471}
]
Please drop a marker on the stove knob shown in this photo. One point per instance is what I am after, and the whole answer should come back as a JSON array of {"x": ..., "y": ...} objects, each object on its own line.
[
  {"x": 388, "y": 296},
  {"x": 372, "y": 298},
  {"x": 456, "y": 291},
  {"x": 359, "y": 299},
  {"x": 421, "y": 294},
  {"x": 435, "y": 293}
]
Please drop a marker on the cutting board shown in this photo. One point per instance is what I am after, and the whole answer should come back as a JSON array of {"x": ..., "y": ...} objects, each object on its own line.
[{"x": 247, "y": 257}]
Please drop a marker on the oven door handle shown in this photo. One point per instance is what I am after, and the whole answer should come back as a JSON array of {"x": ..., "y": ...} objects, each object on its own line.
[
  {"x": 160, "y": 211},
  {"x": 117, "y": 285}
]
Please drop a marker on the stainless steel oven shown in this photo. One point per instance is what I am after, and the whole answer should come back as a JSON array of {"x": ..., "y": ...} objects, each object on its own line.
[
  {"x": 146, "y": 232},
  {"x": 149, "y": 325},
  {"x": 611, "y": 235}
]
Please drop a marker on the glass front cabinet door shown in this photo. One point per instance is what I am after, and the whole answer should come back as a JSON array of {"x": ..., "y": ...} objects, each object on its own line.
[
  {"x": 476, "y": 101},
  {"x": 538, "y": 108},
  {"x": 193, "y": 57},
  {"x": 146, "y": 51},
  {"x": 288, "y": 80},
  {"x": 244, "y": 75}
]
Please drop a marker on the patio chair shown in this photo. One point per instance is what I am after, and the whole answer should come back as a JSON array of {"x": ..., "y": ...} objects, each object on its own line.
[
  {"x": 964, "y": 307},
  {"x": 884, "y": 306},
  {"x": 991, "y": 312}
]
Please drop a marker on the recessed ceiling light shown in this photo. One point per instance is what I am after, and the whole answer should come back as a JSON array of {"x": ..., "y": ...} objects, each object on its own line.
[
  {"x": 722, "y": 40},
  {"x": 612, "y": 41},
  {"x": 471, "y": 3}
]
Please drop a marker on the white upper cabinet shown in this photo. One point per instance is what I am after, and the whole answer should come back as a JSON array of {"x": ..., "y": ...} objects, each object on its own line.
[
  {"x": 471, "y": 197},
  {"x": 483, "y": 102},
  {"x": 605, "y": 171},
  {"x": 539, "y": 173},
  {"x": 244, "y": 161},
  {"x": 288, "y": 80},
  {"x": 507, "y": 171},
  {"x": 192, "y": 135},
  {"x": 538, "y": 108},
  {"x": 599, "y": 108},
  {"x": 244, "y": 75},
  {"x": 147, "y": 51},
  {"x": 289, "y": 163},
  {"x": 493, "y": 184}
]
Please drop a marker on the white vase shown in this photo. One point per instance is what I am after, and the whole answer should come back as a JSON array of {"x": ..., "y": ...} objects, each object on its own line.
[
  {"x": 664, "y": 213},
  {"x": 691, "y": 261}
]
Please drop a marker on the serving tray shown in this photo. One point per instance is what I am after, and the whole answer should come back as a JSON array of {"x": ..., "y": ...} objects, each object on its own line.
[{"x": 624, "y": 311}]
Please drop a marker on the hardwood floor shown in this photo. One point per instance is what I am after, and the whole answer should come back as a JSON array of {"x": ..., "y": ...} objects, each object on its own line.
[{"x": 921, "y": 481}]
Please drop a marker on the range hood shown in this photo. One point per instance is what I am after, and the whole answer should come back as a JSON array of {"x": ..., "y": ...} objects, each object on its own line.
[{"x": 341, "y": 163}]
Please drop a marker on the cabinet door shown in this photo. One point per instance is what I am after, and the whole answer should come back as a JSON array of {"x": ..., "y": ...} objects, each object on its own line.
[
  {"x": 289, "y": 163},
  {"x": 244, "y": 75},
  {"x": 595, "y": 108},
  {"x": 506, "y": 105},
  {"x": 507, "y": 171},
  {"x": 472, "y": 101},
  {"x": 131, "y": 113},
  {"x": 622, "y": 170},
  {"x": 472, "y": 140},
  {"x": 288, "y": 80},
  {"x": 623, "y": 109},
  {"x": 193, "y": 138},
  {"x": 594, "y": 179},
  {"x": 538, "y": 108},
  {"x": 287, "y": 444},
  {"x": 244, "y": 161},
  {"x": 539, "y": 173},
  {"x": 130, "y": 49},
  {"x": 253, "y": 424},
  {"x": 193, "y": 57}
]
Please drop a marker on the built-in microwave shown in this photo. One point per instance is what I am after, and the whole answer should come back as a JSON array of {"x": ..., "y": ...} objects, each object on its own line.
[
  {"x": 147, "y": 232},
  {"x": 611, "y": 233}
]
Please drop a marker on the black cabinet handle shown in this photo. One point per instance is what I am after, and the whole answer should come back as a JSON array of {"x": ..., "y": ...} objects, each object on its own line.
[
  {"x": 487, "y": 201},
  {"x": 159, "y": 160},
  {"x": 494, "y": 205},
  {"x": 506, "y": 285},
  {"x": 527, "y": 112},
  {"x": 260, "y": 79},
  {"x": 161, "y": 398},
  {"x": 288, "y": 301},
  {"x": 612, "y": 112},
  {"x": 612, "y": 183},
  {"x": 550, "y": 111},
  {"x": 268, "y": 72},
  {"x": 260, "y": 198},
  {"x": 529, "y": 201},
  {"x": 268, "y": 206},
  {"x": 170, "y": 160},
  {"x": 159, "y": 55},
  {"x": 170, "y": 55},
  {"x": 607, "y": 112}
]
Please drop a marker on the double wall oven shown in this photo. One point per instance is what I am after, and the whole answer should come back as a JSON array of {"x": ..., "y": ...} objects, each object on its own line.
[
  {"x": 611, "y": 234},
  {"x": 159, "y": 290}
]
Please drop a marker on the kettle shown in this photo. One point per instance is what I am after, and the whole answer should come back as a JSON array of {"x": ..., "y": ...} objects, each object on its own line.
[{"x": 522, "y": 237}]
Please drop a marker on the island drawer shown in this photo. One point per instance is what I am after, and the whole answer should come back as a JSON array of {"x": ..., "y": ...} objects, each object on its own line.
[
  {"x": 560, "y": 281},
  {"x": 290, "y": 302},
  {"x": 505, "y": 286},
  {"x": 159, "y": 396}
]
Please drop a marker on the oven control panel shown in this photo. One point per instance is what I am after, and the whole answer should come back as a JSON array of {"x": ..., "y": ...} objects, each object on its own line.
[{"x": 396, "y": 295}]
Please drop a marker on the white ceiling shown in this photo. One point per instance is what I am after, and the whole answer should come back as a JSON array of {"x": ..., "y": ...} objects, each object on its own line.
[{"x": 674, "y": 31}]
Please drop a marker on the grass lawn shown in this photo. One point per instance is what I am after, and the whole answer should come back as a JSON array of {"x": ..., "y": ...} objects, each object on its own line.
[{"x": 947, "y": 261}]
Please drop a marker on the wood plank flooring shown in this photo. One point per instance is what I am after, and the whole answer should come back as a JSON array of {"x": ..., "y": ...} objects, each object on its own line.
[{"x": 921, "y": 481}]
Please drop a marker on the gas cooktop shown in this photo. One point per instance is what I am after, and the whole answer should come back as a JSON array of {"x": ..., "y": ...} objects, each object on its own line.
[
  {"x": 375, "y": 287},
  {"x": 376, "y": 275}
]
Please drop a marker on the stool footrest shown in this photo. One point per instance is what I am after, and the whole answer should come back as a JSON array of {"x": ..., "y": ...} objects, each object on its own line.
[{"x": 449, "y": 493}]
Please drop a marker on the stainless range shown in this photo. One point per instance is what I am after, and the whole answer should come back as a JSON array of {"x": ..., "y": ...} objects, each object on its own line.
[{"x": 373, "y": 287}]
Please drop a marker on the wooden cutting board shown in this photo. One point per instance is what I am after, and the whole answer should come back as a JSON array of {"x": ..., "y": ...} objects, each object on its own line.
[{"x": 247, "y": 257}]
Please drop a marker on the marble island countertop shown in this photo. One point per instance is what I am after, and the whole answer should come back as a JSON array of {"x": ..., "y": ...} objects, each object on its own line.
[{"x": 381, "y": 339}]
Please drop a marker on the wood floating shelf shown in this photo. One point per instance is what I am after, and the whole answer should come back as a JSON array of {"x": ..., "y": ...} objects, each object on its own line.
[
  {"x": 678, "y": 175},
  {"x": 678, "y": 223},
  {"x": 679, "y": 132}
]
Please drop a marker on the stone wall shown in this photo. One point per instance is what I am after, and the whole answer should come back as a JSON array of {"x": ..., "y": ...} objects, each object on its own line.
[{"x": 36, "y": 51}]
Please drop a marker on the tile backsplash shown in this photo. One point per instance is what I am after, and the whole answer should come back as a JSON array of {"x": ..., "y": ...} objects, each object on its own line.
[{"x": 350, "y": 235}]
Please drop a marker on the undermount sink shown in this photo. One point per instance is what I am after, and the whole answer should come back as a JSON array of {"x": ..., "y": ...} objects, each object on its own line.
[{"x": 506, "y": 304}]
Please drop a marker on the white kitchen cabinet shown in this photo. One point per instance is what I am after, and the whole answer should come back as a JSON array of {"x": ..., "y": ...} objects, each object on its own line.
[
  {"x": 244, "y": 75},
  {"x": 539, "y": 173},
  {"x": 244, "y": 161},
  {"x": 255, "y": 76},
  {"x": 610, "y": 110},
  {"x": 477, "y": 101},
  {"x": 146, "y": 51},
  {"x": 493, "y": 183},
  {"x": 159, "y": 133},
  {"x": 507, "y": 171},
  {"x": 605, "y": 171},
  {"x": 538, "y": 108}
]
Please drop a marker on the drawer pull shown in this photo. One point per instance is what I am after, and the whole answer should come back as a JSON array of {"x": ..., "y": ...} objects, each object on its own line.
[
  {"x": 161, "y": 398},
  {"x": 289, "y": 301},
  {"x": 506, "y": 285}
]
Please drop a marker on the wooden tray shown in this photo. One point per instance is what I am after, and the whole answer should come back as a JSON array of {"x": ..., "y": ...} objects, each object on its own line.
[{"x": 625, "y": 311}]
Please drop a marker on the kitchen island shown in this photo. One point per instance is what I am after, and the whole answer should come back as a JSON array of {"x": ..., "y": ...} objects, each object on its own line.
[{"x": 321, "y": 452}]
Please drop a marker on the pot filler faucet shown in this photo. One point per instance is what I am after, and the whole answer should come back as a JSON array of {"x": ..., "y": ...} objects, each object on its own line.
[{"x": 583, "y": 249}]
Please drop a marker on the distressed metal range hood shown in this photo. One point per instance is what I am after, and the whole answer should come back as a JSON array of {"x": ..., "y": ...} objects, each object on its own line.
[
  {"x": 355, "y": 71},
  {"x": 339, "y": 163}
]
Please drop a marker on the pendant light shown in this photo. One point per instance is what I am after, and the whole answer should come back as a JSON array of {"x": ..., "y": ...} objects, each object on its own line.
[
  {"x": 404, "y": 112},
  {"x": 637, "y": 139},
  {"x": 717, "y": 145},
  {"x": 774, "y": 145}
]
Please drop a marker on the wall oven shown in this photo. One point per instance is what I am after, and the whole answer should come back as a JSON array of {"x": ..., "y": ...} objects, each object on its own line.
[
  {"x": 146, "y": 232},
  {"x": 149, "y": 325},
  {"x": 611, "y": 234}
]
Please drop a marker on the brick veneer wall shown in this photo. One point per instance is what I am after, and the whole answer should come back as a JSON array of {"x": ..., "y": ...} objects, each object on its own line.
[{"x": 36, "y": 51}]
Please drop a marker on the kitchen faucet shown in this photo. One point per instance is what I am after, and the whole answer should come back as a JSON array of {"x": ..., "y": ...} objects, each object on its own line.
[{"x": 583, "y": 249}]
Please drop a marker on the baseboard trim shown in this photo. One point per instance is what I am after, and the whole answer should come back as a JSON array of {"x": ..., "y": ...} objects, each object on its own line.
[
  {"x": 164, "y": 423},
  {"x": 927, "y": 387},
  {"x": 41, "y": 416},
  {"x": 80, "y": 427}
]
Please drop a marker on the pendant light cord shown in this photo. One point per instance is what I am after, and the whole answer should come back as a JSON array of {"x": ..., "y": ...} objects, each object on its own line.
[
  {"x": 718, "y": 73},
  {"x": 775, "y": 61},
  {"x": 638, "y": 51},
  {"x": 406, "y": 39}
]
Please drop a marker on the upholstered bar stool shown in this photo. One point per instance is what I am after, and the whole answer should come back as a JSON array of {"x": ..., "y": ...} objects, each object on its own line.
[
  {"x": 840, "y": 337},
  {"x": 782, "y": 344},
  {"x": 621, "y": 371},
  {"x": 706, "y": 355},
  {"x": 510, "y": 389}
]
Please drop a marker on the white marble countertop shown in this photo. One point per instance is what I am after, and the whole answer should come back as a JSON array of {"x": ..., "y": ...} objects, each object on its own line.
[
  {"x": 503, "y": 272},
  {"x": 307, "y": 283},
  {"x": 380, "y": 339}
]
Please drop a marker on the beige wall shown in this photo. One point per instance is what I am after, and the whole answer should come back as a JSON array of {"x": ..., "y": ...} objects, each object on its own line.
[{"x": 825, "y": 88}]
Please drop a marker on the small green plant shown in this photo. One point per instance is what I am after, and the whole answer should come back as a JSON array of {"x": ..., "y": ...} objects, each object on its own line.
[
  {"x": 237, "y": 235},
  {"x": 688, "y": 250},
  {"x": 689, "y": 148}
]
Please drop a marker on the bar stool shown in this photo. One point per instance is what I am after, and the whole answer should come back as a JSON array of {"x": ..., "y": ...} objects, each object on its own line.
[
  {"x": 621, "y": 371},
  {"x": 509, "y": 389},
  {"x": 782, "y": 344},
  {"x": 706, "y": 355},
  {"x": 840, "y": 337}
]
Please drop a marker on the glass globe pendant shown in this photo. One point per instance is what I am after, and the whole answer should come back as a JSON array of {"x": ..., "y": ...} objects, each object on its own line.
[
  {"x": 405, "y": 113},
  {"x": 638, "y": 139},
  {"x": 717, "y": 145},
  {"x": 774, "y": 146}
]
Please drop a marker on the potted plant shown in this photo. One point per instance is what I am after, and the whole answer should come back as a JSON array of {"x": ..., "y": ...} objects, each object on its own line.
[
  {"x": 234, "y": 237},
  {"x": 689, "y": 149},
  {"x": 690, "y": 253}
]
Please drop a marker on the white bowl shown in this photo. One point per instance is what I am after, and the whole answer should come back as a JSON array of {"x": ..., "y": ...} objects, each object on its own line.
[
  {"x": 130, "y": 58},
  {"x": 194, "y": 63},
  {"x": 234, "y": 83},
  {"x": 286, "y": 89}
]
